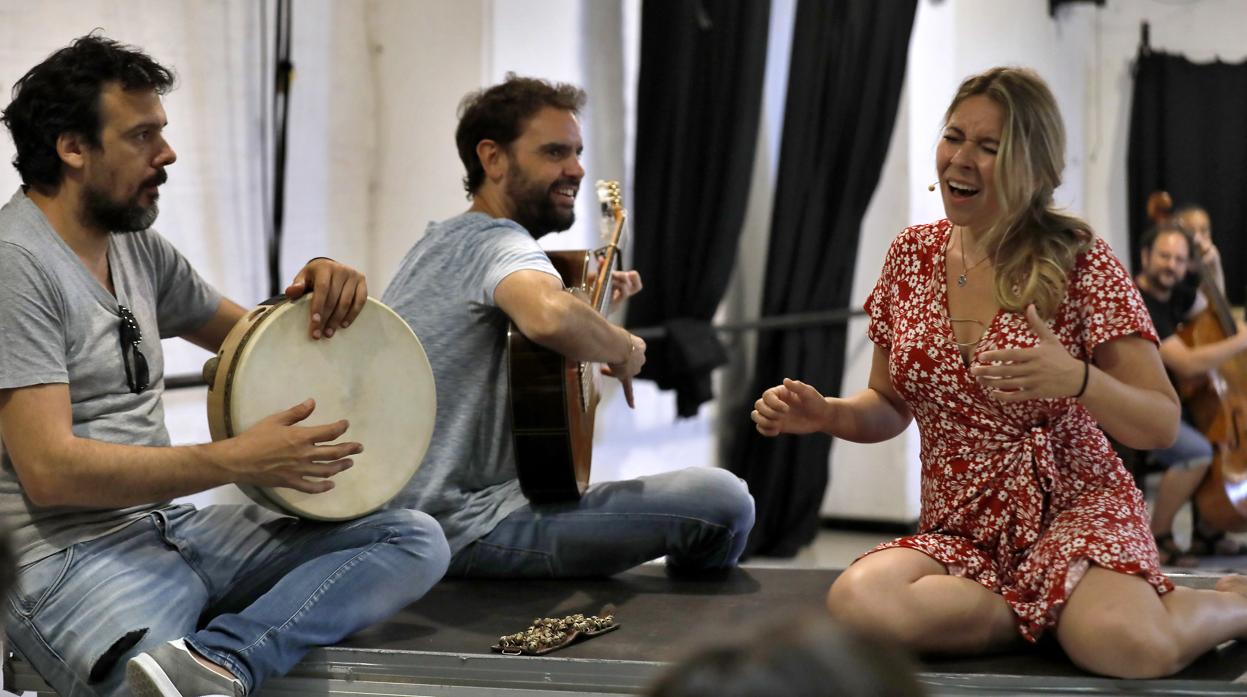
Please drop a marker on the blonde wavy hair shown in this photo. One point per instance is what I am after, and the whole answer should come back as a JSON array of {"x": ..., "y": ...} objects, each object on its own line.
[{"x": 1035, "y": 244}]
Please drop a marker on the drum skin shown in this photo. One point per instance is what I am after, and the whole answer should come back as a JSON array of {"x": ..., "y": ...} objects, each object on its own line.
[{"x": 374, "y": 373}]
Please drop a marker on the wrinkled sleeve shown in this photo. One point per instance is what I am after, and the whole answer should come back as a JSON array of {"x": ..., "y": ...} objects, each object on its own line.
[
  {"x": 882, "y": 299},
  {"x": 32, "y": 324},
  {"x": 505, "y": 254},
  {"x": 1107, "y": 299},
  {"x": 184, "y": 301}
]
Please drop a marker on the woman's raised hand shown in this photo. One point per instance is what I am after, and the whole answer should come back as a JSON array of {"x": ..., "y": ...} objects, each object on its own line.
[
  {"x": 1043, "y": 371},
  {"x": 793, "y": 407}
]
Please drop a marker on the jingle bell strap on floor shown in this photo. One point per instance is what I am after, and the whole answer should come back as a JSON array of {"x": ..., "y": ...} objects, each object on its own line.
[{"x": 547, "y": 634}]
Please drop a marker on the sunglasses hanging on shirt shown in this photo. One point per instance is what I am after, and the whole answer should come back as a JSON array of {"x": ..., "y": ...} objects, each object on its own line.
[{"x": 135, "y": 362}]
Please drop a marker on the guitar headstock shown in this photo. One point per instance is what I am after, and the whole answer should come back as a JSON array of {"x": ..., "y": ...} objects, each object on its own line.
[
  {"x": 611, "y": 224},
  {"x": 610, "y": 196}
]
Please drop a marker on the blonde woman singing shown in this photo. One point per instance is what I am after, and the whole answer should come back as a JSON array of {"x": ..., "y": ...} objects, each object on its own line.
[{"x": 1013, "y": 335}]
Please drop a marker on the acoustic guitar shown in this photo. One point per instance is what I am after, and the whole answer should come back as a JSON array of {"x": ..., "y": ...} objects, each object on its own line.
[{"x": 553, "y": 399}]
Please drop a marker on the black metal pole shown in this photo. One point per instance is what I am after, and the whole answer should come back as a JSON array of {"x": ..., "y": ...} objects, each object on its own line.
[{"x": 281, "y": 120}]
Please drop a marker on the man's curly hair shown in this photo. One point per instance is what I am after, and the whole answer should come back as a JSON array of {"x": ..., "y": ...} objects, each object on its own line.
[
  {"x": 499, "y": 113},
  {"x": 62, "y": 95}
]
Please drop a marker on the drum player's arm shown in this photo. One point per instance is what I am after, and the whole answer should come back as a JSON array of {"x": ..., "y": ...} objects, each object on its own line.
[
  {"x": 211, "y": 334},
  {"x": 57, "y": 467},
  {"x": 337, "y": 286},
  {"x": 548, "y": 315}
]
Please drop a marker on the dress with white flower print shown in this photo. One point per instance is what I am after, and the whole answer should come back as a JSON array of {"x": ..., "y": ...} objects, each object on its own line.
[{"x": 1019, "y": 497}]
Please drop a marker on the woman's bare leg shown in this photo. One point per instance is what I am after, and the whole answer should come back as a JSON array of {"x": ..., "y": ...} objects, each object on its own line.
[
  {"x": 909, "y": 597},
  {"x": 1115, "y": 624}
]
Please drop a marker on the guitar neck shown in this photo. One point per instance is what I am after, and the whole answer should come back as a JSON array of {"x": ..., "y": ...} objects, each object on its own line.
[{"x": 608, "y": 256}]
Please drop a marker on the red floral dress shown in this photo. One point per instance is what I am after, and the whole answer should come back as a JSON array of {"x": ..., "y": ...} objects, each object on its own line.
[{"x": 1019, "y": 497}]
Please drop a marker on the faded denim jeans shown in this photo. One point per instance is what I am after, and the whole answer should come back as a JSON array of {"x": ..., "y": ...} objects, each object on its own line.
[
  {"x": 249, "y": 589},
  {"x": 698, "y": 517}
]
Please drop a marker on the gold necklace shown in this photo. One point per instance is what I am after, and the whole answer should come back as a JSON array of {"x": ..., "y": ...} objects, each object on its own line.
[
  {"x": 968, "y": 322},
  {"x": 965, "y": 270}
]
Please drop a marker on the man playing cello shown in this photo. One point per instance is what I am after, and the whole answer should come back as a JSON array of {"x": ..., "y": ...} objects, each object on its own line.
[{"x": 1166, "y": 259}]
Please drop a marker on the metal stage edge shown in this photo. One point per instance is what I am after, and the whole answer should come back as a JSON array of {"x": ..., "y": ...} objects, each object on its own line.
[
  {"x": 384, "y": 673},
  {"x": 441, "y": 664}
]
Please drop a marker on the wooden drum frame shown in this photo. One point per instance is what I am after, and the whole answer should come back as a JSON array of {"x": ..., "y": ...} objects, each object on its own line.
[{"x": 374, "y": 373}]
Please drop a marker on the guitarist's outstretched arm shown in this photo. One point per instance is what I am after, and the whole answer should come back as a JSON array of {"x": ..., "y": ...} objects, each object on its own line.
[{"x": 548, "y": 315}]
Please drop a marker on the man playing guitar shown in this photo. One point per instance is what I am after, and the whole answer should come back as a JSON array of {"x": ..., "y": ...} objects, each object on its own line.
[{"x": 459, "y": 287}]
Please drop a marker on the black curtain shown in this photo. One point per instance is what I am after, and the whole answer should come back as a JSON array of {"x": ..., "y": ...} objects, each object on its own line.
[
  {"x": 699, "y": 95},
  {"x": 848, "y": 63},
  {"x": 1187, "y": 137}
]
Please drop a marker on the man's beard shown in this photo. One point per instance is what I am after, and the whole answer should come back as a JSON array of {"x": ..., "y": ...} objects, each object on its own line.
[
  {"x": 107, "y": 214},
  {"x": 534, "y": 204},
  {"x": 1164, "y": 281}
]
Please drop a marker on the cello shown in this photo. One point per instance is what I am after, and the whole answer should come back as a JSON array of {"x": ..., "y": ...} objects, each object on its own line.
[{"x": 1216, "y": 401}]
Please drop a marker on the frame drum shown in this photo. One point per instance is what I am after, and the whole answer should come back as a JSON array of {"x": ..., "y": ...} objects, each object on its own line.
[{"x": 374, "y": 373}]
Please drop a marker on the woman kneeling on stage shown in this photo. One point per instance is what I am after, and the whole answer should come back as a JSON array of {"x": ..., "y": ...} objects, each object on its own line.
[{"x": 1010, "y": 331}]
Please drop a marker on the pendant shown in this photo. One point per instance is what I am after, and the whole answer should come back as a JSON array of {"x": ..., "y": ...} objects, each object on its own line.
[{"x": 961, "y": 281}]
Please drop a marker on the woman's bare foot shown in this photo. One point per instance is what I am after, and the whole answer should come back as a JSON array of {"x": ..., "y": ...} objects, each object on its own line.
[{"x": 1233, "y": 583}]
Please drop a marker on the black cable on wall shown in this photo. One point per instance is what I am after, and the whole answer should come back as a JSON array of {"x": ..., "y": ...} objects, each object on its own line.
[{"x": 281, "y": 119}]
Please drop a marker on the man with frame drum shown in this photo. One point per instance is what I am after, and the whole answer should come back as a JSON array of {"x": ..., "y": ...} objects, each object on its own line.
[
  {"x": 115, "y": 583},
  {"x": 459, "y": 287}
]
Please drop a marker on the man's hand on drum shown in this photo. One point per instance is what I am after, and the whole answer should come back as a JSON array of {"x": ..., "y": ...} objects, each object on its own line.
[
  {"x": 277, "y": 452},
  {"x": 338, "y": 294},
  {"x": 793, "y": 407}
]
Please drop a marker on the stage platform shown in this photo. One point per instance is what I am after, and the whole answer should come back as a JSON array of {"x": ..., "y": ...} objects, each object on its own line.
[{"x": 441, "y": 645}]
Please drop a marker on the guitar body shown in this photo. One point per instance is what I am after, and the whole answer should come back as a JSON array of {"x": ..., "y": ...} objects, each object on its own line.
[{"x": 553, "y": 401}]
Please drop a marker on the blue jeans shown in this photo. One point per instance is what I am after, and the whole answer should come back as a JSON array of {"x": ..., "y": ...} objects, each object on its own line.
[
  {"x": 698, "y": 517},
  {"x": 1189, "y": 451},
  {"x": 249, "y": 589}
]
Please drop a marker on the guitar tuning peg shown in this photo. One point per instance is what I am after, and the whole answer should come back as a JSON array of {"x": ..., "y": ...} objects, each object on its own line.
[{"x": 609, "y": 194}]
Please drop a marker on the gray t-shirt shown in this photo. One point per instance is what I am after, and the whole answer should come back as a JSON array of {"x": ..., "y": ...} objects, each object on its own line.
[
  {"x": 444, "y": 289},
  {"x": 59, "y": 325}
]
